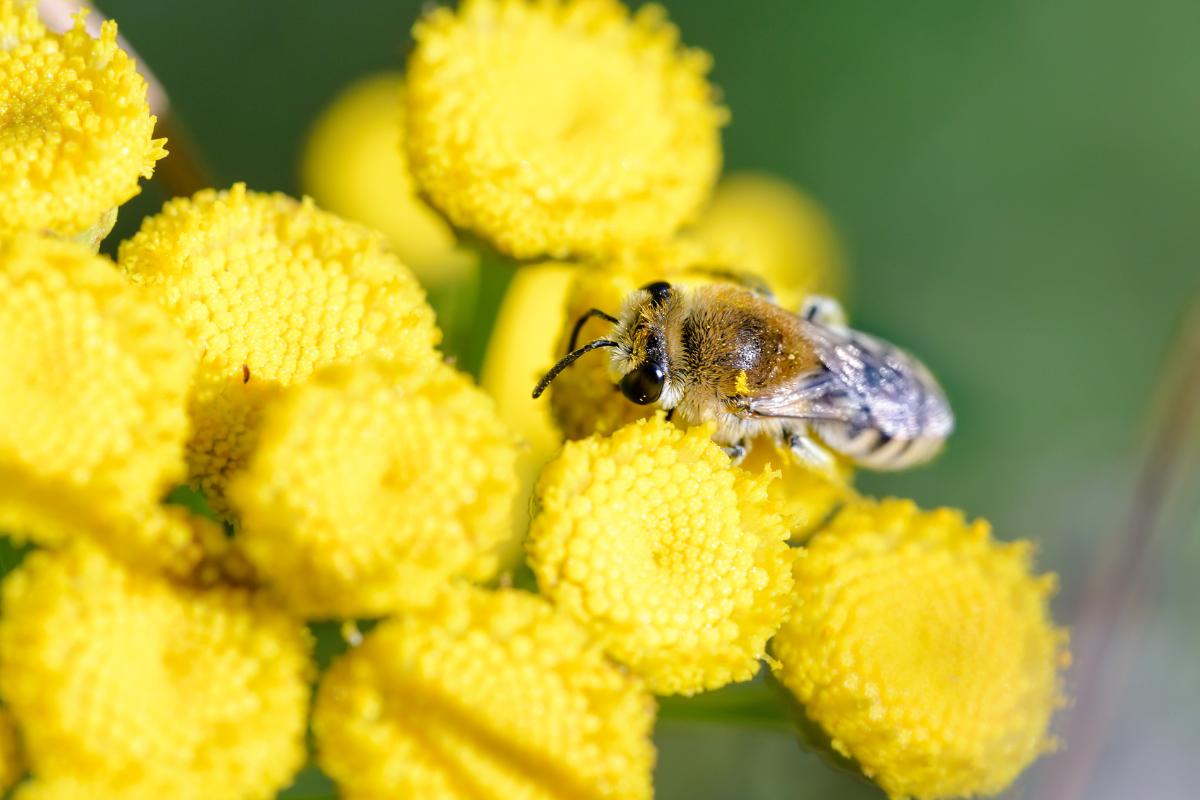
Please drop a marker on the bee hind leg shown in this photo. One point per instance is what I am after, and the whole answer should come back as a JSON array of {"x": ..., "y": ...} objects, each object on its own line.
[{"x": 807, "y": 452}]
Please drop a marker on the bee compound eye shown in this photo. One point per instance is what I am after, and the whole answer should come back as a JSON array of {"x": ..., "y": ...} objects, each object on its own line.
[
  {"x": 659, "y": 291},
  {"x": 644, "y": 385}
]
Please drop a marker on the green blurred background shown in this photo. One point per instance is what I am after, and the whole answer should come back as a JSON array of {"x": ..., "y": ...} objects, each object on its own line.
[{"x": 1017, "y": 186}]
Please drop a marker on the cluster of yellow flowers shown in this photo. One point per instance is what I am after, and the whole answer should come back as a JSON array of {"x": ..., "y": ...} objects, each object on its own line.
[{"x": 284, "y": 363}]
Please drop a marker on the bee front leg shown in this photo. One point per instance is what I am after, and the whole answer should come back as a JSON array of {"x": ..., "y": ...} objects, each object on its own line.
[{"x": 807, "y": 452}]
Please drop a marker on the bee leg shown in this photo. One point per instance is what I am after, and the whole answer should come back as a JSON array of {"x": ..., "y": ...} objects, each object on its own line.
[
  {"x": 807, "y": 452},
  {"x": 735, "y": 451},
  {"x": 823, "y": 310}
]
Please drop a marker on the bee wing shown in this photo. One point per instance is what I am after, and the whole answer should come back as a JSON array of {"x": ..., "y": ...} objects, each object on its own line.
[{"x": 866, "y": 383}]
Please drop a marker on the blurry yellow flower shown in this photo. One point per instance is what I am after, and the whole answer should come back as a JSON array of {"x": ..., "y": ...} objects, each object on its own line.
[
  {"x": 803, "y": 496},
  {"x": 12, "y": 765},
  {"x": 484, "y": 694},
  {"x": 923, "y": 648},
  {"x": 75, "y": 129},
  {"x": 372, "y": 485},
  {"x": 772, "y": 229},
  {"x": 93, "y": 407},
  {"x": 561, "y": 127},
  {"x": 522, "y": 344},
  {"x": 125, "y": 684},
  {"x": 672, "y": 557},
  {"x": 267, "y": 290},
  {"x": 583, "y": 399},
  {"x": 355, "y": 165}
]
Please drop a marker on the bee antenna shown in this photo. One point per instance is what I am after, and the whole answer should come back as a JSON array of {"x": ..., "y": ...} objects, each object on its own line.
[
  {"x": 591, "y": 312},
  {"x": 568, "y": 360}
]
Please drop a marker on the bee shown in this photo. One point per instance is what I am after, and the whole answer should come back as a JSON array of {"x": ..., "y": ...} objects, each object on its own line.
[{"x": 724, "y": 354}]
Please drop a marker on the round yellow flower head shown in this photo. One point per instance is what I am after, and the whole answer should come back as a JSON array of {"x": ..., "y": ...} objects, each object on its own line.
[
  {"x": 923, "y": 648},
  {"x": 561, "y": 127},
  {"x": 76, "y": 132},
  {"x": 372, "y": 485},
  {"x": 775, "y": 231},
  {"x": 93, "y": 408},
  {"x": 672, "y": 557},
  {"x": 123, "y": 683},
  {"x": 353, "y": 167},
  {"x": 267, "y": 290},
  {"x": 483, "y": 694}
]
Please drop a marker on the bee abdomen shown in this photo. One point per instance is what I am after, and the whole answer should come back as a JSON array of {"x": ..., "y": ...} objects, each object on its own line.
[{"x": 876, "y": 450}]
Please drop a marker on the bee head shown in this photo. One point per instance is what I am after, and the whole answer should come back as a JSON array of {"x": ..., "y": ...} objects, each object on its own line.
[
  {"x": 639, "y": 338},
  {"x": 644, "y": 372}
]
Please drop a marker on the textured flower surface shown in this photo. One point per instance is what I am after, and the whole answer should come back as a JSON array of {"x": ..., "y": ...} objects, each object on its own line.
[
  {"x": 75, "y": 129},
  {"x": 671, "y": 556},
  {"x": 93, "y": 408},
  {"x": 923, "y": 648},
  {"x": 352, "y": 166},
  {"x": 267, "y": 290},
  {"x": 560, "y": 128},
  {"x": 373, "y": 484},
  {"x": 123, "y": 685},
  {"x": 483, "y": 695},
  {"x": 775, "y": 231}
]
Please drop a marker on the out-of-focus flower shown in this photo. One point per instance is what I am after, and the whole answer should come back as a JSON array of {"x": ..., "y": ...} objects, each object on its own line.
[
  {"x": 484, "y": 694},
  {"x": 372, "y": 485},
  {"x": 673, "y": 558},
  {"x": 76, "y": 132},
  {"x": 770, "y": 228},
  {"x": 923, "y": 648},
  {"x": 93, "y": 407},
  {"x": 267, "y": 290},
  {"x": 521, "y": 346},
  {"x": 128, "y": 686},
  {"x": 558, "y": 128},
  {"x": 355, "y": 164}
]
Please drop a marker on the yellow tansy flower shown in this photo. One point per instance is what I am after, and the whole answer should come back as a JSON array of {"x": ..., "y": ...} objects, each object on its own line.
[
  {"x": 355, "y": 164},
  {"x": 774, "y": 230},
  {"x": 672, "y": 557},
  {"x": 560, "y": 127},
  {"x": 75, "y": 129},
  {"x": 483, "y": 695},
  {"x": 923, "y": 648},
  {"x": 93, "y": 409},
  {"x": 372, "y": 485},
  {"x": 125, "y": 684},
  {"x": 267, "y": 290}
]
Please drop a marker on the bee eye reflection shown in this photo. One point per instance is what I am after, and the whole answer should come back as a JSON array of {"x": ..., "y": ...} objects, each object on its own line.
[{"x": 644, "y": 385}]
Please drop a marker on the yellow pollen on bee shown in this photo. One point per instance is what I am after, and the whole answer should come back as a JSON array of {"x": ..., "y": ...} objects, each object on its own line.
[{"x": 742, "y": 387}]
